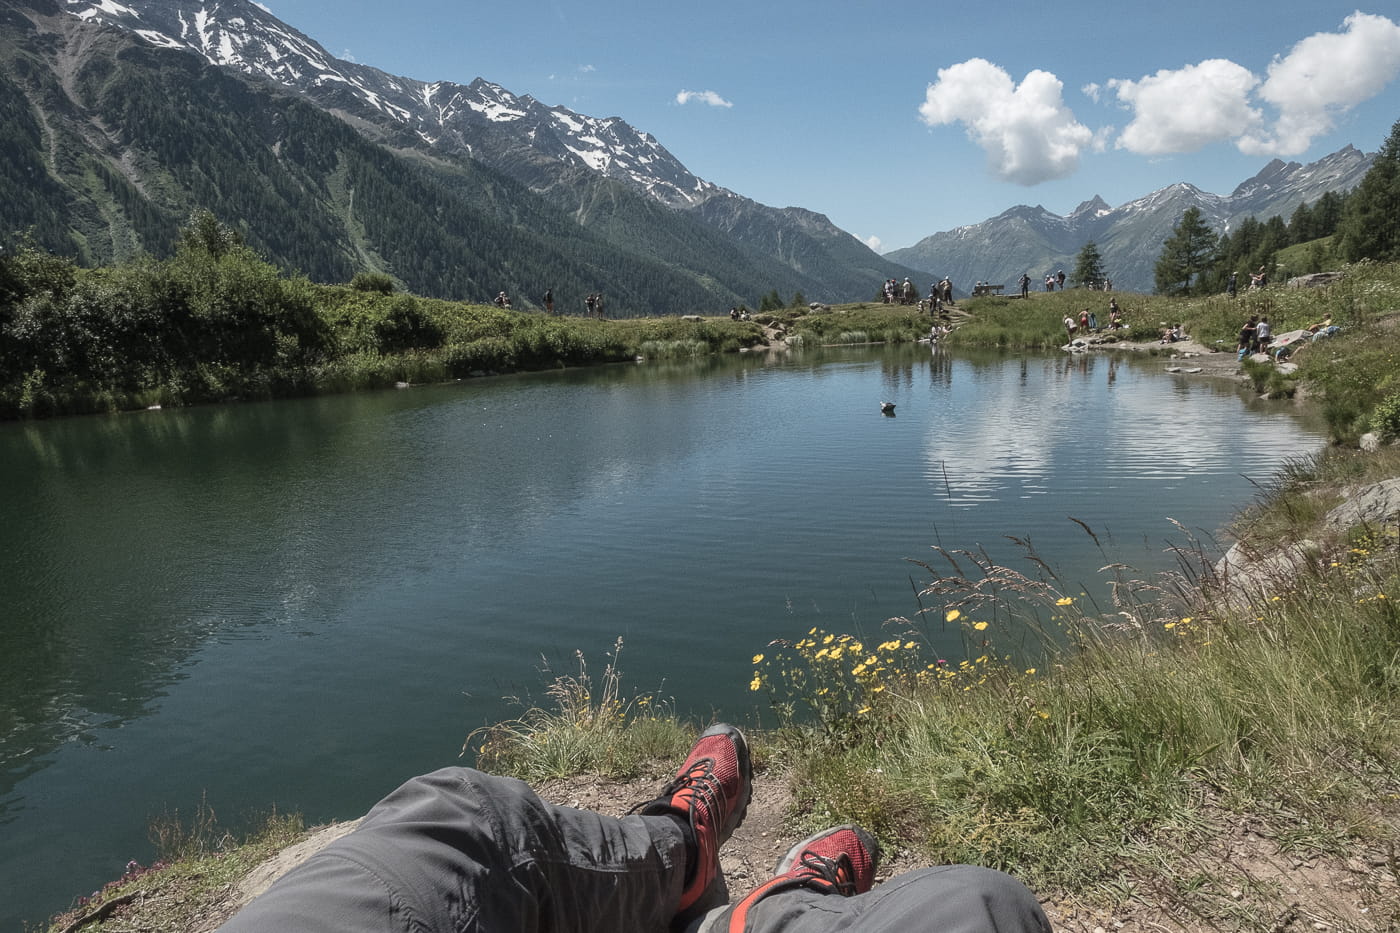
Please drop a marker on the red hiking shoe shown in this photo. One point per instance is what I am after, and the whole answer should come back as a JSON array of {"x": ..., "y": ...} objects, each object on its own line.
[
  {"x": 711, "y": 790},
  {"x": 840, "y": 860}
]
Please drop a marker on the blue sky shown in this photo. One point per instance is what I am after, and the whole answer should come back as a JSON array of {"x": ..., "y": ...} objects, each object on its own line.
[{"x": 898, "y": 120}]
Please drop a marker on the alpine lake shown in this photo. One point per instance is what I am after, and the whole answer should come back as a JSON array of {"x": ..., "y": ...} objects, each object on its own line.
[{"x": 302, "y": 603}]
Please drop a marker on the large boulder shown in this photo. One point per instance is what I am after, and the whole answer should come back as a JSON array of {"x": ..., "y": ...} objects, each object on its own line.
[
  {"x": 1316, "y": 280},
  {"x": 1376, "y": 506}
]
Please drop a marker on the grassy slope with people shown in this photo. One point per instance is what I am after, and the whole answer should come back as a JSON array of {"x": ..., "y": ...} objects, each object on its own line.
[{"x": 1183, "y": 756}]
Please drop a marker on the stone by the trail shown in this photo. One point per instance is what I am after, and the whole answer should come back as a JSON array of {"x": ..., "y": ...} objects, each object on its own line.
[
  {"x": 1244, "y": 573},
  {"x": 1316, "y": 280},
  {"x": 1376, "y": 505}
]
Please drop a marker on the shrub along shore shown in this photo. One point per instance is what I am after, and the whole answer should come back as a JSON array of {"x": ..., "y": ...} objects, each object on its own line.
[{"x": 1116, "y": 764}]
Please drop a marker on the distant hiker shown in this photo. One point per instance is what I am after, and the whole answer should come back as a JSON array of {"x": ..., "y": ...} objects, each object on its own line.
[
  {"x": 1230, "y": 285},
  {"x": 947, "y": 290},
  {"x": 1060, "y": 279},
  {"x": 503, "y": 300},
  {"x": 1263, "y": 335},
  {"x": 1093, "y": 322},
  {"x": 1049, "y": 282},
  {"x": 1025, "y": 285},
  {"x": 549, "y": 300},
  {"x": 733, "y": 314},
  {"x": 1069, "y": 326},
  {"x": 598, "y": 304},
  {"x": 591, "y": 302},
  {"x": 1249, "y": 335},
  {"x": 1084, "y": 320},
  {"x": 909, "y": 291}
]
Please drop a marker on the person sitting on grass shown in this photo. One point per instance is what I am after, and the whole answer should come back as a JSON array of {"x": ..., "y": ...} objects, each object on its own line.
[{"x": 461, "y": 850}]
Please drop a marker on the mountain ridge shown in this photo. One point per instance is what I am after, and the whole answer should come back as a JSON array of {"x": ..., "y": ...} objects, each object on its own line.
[
  {"x": 539, "y": 145},
  {"x": 1129, "y": 237}
]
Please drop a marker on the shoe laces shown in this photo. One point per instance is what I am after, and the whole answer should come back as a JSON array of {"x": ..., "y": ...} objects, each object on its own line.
[{"x": 836, "y": 871}]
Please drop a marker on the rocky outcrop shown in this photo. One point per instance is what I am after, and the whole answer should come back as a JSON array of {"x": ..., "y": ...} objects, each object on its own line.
[
  {"x": 1316, "y": 280},
  {"x": 1376, "y": 506}
]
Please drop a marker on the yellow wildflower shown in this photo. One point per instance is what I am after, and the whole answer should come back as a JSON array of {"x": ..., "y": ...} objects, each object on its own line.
[
  {"x": 979, "y": 626},
  {"x": 1064, "y": 601},
  {"x": 757, "y": 658},
  {"x": 952, "y": 616},
  {"x": 756, "y": 683}
]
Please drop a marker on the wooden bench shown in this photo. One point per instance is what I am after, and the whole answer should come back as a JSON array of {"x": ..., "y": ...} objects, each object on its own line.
[{"x": 979, "y": 290}]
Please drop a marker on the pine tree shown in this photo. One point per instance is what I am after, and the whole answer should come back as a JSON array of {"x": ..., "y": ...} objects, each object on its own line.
[
  {"x": 1370, "y": 227},
  {"x": 1186, "y": 255},
  {"x": 1088, "y": 267}
]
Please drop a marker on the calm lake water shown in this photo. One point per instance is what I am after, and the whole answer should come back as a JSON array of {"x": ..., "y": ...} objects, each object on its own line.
[{"x": 303, "y": 603}]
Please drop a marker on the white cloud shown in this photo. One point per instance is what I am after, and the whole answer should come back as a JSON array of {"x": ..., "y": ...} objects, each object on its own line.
[
  {"x": 348, "y": 56},
  {"x": 1322, "y": 77},
  {"x": 264, "y": 7},
  {"x": 1091, "y": 91},
  {"x": 703, "y": 97},
  {"x": 1028, "y": 133},
  {"x": 1187, "y": 109},
  {"x": 587, "y": 69},
  {"x": 873, "y": 242}
]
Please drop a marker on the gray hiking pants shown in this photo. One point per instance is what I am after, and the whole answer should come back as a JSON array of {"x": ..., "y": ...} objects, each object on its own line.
[{"x": 459, "y": 850}]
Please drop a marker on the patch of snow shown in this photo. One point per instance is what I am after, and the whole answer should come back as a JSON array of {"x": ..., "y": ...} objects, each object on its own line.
[
  {"x": 111, "y": 8},
  {"x": 495, "y": 112},
  {"x": 597, "y": 161},
  {"x": 572, "y": 123},
  {"x": 159, "y": 39}
]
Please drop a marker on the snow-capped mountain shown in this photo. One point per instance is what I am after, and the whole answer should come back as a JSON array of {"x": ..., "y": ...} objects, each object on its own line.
[
  {"x": 553, "y": 150},
  {"x": 1129, "y": 237},
  {"x": 243, "y": 36}
]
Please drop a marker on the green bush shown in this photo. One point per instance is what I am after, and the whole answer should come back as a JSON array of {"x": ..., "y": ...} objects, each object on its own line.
[
  {"x": 1386, "y": 419},
  {"x": 373, "y": 282}
]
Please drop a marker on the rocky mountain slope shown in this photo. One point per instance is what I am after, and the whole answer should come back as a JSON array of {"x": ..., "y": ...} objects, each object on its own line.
[
  {"x": 1034, "y": 240},
  {"x": 609, "y": 176}
]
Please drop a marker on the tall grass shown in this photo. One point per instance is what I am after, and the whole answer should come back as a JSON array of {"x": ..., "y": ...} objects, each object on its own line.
[{"x": 584, "y": 726}]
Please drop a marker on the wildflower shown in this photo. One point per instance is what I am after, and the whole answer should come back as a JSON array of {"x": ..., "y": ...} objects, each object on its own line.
[
  {"x": 1186, "y": 621},
  {"x": 1042, "y": 714},
  {"x": 1169, "y": 625},
  {"x": 835, "y": 654},
  {"x": 910, "y": 646},
  {"x": 862, "y": 711},
  {"x": 757, "y": 658},
  {"x": 1064, "y": 601},
  {"x": 1030, "y": 670},
  {"x": 888, "y": 646},
  {"x": 756, "y": 683},
  {"x": 979, "y": 626},
  {"x": 877, "y": 689},
  {"x": 953, "y": 615},
  {"x": 828, "y": 639}
]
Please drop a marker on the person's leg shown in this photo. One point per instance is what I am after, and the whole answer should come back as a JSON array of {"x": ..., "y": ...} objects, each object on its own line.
[
  {"x": 825, "y": 884},
  {"x": 947, "y": 899},
  {"x": 459, "y": 850}
]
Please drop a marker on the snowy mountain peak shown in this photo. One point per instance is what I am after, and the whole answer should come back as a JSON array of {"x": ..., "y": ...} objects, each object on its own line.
[{"x": 242, "y": 35}]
